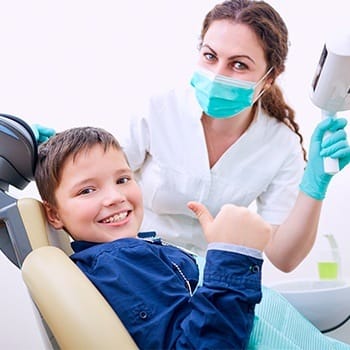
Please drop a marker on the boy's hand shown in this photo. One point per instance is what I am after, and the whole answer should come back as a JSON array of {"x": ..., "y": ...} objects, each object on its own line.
[{"x": 233, "y": 225}]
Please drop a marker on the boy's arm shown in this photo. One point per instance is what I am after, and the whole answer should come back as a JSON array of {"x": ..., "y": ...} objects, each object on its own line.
[
  {"x": 223, "y": 308},
  {"x": 233, "y": 225}
]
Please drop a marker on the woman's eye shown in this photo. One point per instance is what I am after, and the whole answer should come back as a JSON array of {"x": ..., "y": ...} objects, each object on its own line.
[
  {"x": 123, "y": 180},
  {"x": 240, "y": 66},
  {"x": 209, "y": 56}
]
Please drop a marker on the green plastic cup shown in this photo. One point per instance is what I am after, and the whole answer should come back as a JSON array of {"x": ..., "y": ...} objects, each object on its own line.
[{"x": 327, "y": 270}]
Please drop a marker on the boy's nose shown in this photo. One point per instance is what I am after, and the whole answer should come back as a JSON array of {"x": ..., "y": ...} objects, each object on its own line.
[{"x": 113, "y": 196}]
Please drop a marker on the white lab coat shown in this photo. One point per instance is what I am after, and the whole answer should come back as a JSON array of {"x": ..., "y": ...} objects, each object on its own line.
[{"x": 166, "y": 147}]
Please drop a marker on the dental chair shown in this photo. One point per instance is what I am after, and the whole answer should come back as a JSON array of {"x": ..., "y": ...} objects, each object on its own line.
[{"x": 75, "y": 313}]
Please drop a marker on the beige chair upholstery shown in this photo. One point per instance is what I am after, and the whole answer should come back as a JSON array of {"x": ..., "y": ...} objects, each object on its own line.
[
  {"x": 39, "y": 232},
  {"x": 76, "y": 313}
]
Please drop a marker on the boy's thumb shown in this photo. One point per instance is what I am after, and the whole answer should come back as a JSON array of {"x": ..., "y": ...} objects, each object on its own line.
[{"x": 202, "y": 213}]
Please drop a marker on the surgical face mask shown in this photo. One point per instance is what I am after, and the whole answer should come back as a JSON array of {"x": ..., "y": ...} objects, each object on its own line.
[{"x": 223, "y": 97}]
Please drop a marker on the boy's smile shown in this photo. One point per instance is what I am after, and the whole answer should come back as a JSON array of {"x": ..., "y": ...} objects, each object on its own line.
[{"x": 98, "y": 199}]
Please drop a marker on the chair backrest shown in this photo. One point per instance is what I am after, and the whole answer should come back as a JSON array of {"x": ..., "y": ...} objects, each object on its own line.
[
  {"x": 39, "y": 232},
  {"x": 76, "y": 313}
]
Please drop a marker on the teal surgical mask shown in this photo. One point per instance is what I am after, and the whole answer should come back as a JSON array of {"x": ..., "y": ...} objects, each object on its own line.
[{"x": 223, "y": 97}]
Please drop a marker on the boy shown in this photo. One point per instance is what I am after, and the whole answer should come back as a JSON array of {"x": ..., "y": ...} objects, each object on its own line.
[{"x": 89, "y": 190}]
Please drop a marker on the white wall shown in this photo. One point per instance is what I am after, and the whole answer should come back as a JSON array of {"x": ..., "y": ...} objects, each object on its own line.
[{"x": 77, "y": 62}]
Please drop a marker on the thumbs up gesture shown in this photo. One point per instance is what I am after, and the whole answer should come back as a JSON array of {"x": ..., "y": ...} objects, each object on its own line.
[{"x": 233, "y": 225}]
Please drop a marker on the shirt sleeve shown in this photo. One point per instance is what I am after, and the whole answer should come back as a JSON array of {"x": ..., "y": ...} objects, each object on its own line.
[
  {"x": 135, "y": 141},
  {"x": 275, "y": 203},
  {"x": 222, "y": 311},
  {"x": 235, "y": 248}
]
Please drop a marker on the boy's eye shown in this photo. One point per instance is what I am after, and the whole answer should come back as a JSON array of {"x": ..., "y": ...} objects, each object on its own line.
[
  {"x": 123, "y": 180},
  {"x": 85, "y": 191}
]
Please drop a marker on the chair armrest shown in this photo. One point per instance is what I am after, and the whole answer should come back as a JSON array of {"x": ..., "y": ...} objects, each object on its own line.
[{"x": 77, "y": 314}]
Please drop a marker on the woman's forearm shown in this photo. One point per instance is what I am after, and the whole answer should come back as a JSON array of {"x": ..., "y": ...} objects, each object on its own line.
[{"x": 293, "y": 239}]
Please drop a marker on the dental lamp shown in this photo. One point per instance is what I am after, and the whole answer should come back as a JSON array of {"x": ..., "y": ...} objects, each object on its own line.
[{"x": 331, "y": 84}]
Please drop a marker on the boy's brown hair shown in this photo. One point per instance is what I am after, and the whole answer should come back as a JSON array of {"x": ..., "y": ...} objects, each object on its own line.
[{"x": 53, "y": 154}]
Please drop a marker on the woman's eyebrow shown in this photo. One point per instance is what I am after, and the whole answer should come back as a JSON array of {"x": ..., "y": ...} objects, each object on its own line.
[
  {"x": 236, "y": 57},
  {"x": 208, "y": 47},
  {"x": 231, "y": 58}
]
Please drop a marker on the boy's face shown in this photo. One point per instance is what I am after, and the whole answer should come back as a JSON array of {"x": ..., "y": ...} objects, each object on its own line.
[{"x": 98, "y": 199}]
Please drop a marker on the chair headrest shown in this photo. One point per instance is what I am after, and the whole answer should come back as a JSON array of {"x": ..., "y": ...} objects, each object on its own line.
[{"x": 18, "y": 152}]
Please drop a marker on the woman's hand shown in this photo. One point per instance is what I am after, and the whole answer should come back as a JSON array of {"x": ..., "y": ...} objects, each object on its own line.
[
  {"x": 42, "y": 133},
  {"x": 315, "y": 180}
]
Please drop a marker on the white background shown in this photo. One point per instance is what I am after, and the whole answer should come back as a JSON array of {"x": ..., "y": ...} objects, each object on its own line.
[{"x": 78, "y": 62}]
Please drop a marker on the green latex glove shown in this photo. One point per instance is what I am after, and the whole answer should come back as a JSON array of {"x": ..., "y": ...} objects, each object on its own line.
[
  {"x": 42, "y": 133},
  {"x": 315, "y": 181}
]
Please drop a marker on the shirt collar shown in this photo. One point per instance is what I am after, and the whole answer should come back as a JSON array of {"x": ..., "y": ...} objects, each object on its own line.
[{"x": 78, "y": 246}]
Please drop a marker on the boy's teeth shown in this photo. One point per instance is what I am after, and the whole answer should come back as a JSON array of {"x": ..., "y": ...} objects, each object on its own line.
[{"x": 116, "y": 218}]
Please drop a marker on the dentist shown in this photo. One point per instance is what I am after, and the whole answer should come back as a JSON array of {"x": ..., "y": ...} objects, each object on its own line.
[{"x": 230, "y": 137}]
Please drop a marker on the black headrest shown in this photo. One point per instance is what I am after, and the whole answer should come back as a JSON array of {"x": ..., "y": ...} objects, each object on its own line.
[{"x": 18, "y": 152}]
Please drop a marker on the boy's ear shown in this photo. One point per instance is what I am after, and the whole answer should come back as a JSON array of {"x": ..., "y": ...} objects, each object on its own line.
[{"x": 52, "y": 216}]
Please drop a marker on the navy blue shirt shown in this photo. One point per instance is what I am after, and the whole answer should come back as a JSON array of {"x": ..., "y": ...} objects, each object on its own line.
[{"x": 152, "y": 288}]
